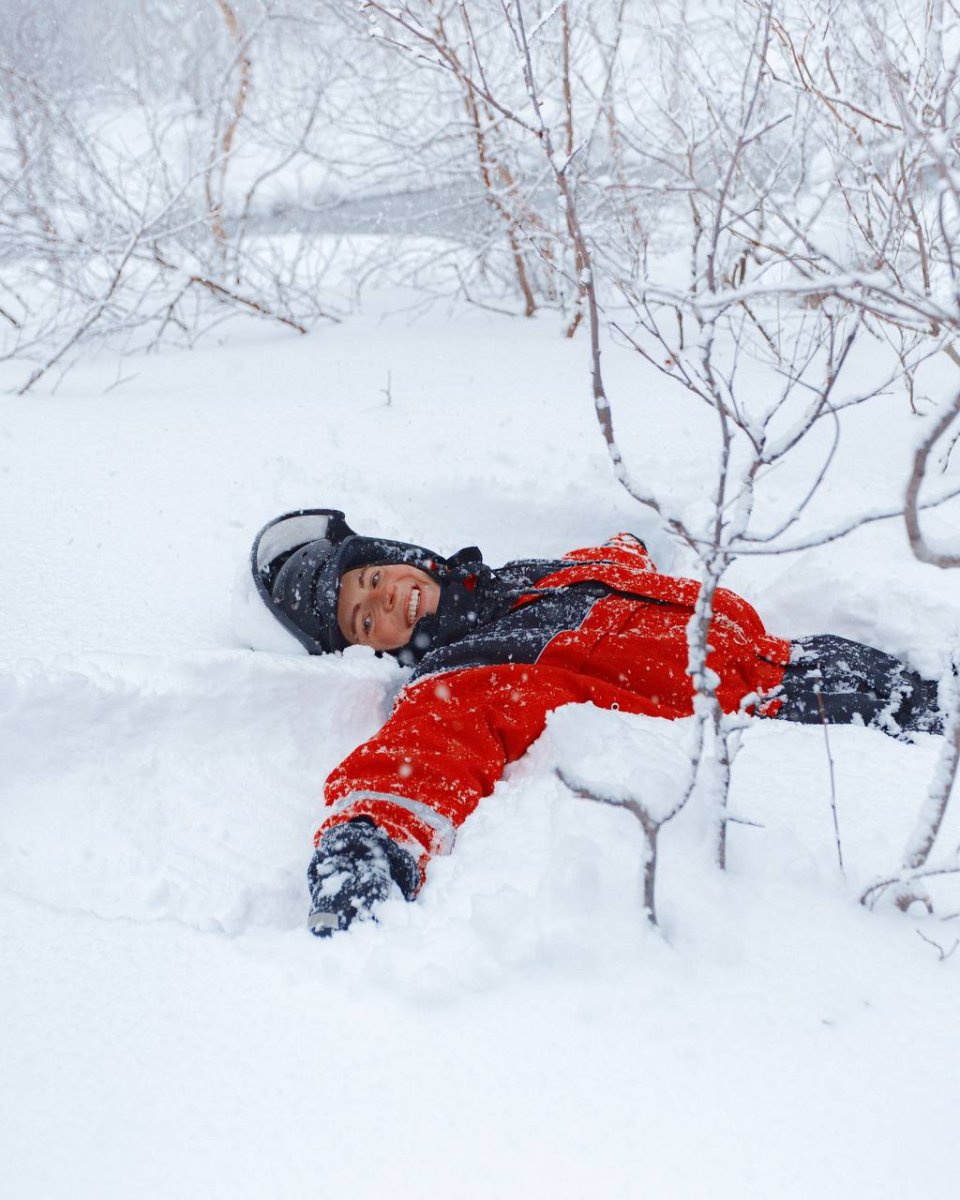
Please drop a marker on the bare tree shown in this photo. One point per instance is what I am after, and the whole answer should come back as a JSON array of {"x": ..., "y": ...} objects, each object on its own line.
[
  {"x": 886, "y": 107},
  {"x": 226, "y": 124},
  {"x": 723, "y": 137},
  {"x": 119, "y": 220}
]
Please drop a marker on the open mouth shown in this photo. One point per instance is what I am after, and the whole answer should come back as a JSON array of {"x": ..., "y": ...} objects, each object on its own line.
[{"x": 413, "y": 605}]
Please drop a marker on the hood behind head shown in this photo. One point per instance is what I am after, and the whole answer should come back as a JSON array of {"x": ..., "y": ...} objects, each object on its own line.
[{"x": 286, "y": 559}]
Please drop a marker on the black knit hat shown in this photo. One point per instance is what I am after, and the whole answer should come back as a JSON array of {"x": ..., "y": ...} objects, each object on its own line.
[{"x": 299, "y": 558}]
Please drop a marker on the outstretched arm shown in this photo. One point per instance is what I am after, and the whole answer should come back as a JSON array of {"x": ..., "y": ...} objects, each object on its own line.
[
  {"x": 417, "y": 780},
  {"x": 442, "y": 750}
]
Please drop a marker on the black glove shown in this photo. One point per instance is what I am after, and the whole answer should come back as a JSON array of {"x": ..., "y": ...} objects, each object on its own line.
[{"x": 352, "y": 871}]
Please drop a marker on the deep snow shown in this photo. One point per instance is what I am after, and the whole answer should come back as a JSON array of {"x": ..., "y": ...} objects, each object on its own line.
[{"x": 168, "y": 1026}]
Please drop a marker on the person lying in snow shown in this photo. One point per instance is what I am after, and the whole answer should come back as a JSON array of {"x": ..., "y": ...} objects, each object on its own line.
[{"x": 493, "y": 651}]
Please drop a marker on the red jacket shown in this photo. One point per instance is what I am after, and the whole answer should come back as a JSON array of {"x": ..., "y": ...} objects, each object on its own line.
[{"x": 453, "y": 731}]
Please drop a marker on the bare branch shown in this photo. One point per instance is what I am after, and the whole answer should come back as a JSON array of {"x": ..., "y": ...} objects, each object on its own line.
[
  {"x": 651, "y": 831},
  {"x": 918, "y": 544}
]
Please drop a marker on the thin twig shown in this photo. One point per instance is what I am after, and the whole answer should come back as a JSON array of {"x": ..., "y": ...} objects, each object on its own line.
[
  {"x": 944, "y": 954},
  {"x": 833, "y": 785}
]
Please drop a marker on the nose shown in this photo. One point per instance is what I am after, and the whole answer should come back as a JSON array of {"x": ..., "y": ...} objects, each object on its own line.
[{"x": 389, "y": 598}]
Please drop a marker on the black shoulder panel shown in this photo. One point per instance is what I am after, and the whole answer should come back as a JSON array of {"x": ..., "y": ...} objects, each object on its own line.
[{"x": 519, "y": 636}]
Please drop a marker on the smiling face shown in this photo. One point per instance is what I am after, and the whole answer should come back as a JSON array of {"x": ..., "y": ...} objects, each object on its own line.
[{"x": 379, "y": 606}]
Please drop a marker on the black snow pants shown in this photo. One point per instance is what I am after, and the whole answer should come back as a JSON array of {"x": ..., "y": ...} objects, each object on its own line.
[{"x": 839, "y": 682}]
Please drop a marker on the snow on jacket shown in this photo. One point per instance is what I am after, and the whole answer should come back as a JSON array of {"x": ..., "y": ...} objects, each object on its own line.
[{"x": 604, "y": 627}]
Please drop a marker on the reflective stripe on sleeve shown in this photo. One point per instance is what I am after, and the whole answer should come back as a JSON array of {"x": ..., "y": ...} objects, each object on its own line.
[{"x": 443, "y": 829}]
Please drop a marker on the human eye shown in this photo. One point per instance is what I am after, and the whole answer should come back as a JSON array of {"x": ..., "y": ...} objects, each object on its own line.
[
  {"x": 375, "y": 579},
  {"x": 366, "y": 625}
]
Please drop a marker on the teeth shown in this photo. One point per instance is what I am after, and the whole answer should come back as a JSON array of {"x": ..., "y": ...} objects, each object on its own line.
[{"x": 413, "y": 605}]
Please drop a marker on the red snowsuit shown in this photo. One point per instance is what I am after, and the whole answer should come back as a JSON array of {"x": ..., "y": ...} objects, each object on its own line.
[{"x": 452, "y": 733}]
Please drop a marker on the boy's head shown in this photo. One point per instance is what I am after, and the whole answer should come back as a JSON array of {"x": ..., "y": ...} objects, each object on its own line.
[{"x": 332, "y": 588}]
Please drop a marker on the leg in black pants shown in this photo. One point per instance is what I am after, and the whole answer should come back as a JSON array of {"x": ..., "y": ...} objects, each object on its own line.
[{"x": 831, "y": 679}]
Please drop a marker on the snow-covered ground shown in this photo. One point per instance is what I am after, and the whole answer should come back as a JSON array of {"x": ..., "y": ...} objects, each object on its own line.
[{"x": 168, "y": 1027}]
